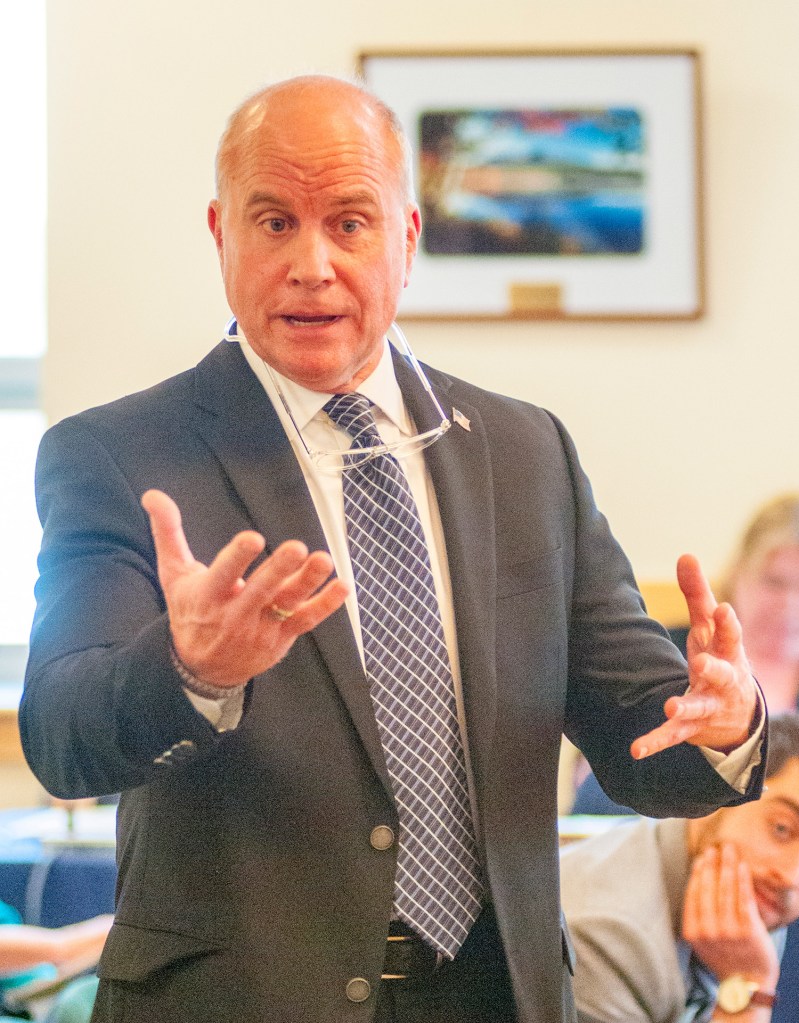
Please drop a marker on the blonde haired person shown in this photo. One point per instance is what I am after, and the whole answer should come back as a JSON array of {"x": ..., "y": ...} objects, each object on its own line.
[{"x": 762, "y": 584}]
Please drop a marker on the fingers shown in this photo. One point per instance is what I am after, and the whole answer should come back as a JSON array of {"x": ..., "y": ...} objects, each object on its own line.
[
  {"x": 728, "y": 901},
  {"x": 747, "y": 903},
  {"x": 175, "y": 557},
  {"x": 717, "y": 711},
  {"x": 696, "y": 589},
  {"x": 289, "y": 572},
  {"x": 710, "y": 910},
  {"x": 283, "y": 598},
  {"x": 671, "y": 733},
  {"x": 715, "y": 629},
  {"x": 728, "y": 635},
  {"x": 171, "y": 549},
  {"x": 314, "y": 610},
  {"x": 686, "y": 715},
  {"x": 712, "y": 903},
  {"x": 720, "y": 900},
  {"x": 700, "y": 602},
  {"x": 225, "y": 575},
  {"x": 302, "y": 597},
  {"x": 287, "y": 578}
]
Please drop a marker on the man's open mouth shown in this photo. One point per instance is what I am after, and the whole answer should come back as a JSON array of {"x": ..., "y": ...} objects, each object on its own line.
[
  {"x": 310, "y": 320},
  {"x": 773, "y": 900}
]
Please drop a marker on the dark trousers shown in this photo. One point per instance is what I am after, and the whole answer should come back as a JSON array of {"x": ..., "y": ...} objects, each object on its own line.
[{"x": 474, "y": 988}]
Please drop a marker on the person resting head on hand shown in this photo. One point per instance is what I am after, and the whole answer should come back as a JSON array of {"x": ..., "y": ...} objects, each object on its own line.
[{"x": 684, "y": 920}]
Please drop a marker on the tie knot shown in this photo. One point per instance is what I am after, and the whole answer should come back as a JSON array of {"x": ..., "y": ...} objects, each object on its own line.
[{"x": 353, "y": 413}]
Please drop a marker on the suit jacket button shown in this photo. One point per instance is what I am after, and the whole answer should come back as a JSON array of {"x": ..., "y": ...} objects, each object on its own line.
[
  {"x": 381, "y": 838},
  {"x": 358, "y": 989}
]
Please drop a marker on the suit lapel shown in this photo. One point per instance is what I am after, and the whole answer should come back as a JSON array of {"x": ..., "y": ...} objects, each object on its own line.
[
  {"x": 238, "y": 422},
  {"x": 460, "y": 467},
  {"x": 246, "y": 435}
]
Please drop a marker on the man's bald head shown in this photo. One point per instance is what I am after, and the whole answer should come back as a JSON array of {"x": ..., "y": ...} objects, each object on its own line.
[{"x": 309, "y": 96}]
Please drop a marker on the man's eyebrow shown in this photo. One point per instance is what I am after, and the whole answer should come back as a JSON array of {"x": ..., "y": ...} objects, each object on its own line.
[
  {"x": 264, "y": 199},
  {"x": 788, "y": 803},
  {"x": 355, "y": 199},
  {"x": 361, "y": 198}
]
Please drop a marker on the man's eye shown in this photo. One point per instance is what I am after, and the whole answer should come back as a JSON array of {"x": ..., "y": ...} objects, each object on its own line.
[
  {"x": 276, "y": 224},
  {"x": 783, "y": 831},
  {"x": 350, "y": 226}
]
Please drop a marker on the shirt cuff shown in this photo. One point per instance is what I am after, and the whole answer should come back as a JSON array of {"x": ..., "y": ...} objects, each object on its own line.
[
  {"x": 736, "y": 767},
  {"x": 223, "y": 714},
  {"x": 220, "y": 706}
]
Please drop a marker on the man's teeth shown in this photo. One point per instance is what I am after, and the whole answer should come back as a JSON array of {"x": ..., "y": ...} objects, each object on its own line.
[{"x": 311, "y": 319}]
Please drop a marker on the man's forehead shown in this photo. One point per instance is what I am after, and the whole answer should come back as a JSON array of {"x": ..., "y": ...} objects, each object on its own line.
[
  {"x": 785, "y": 782},
  {"x": 310, "y": 110},
  {"x": 780, "y": 792},
  {"x": 286, "y": 147},
  {"x": 338, "y": 172}
]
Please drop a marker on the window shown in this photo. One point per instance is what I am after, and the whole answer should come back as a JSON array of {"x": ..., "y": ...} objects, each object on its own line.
[{"x": 23, "y": 184}]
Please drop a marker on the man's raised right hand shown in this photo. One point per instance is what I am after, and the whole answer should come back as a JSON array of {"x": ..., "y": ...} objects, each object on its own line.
[{"x": 227, "y": 628}]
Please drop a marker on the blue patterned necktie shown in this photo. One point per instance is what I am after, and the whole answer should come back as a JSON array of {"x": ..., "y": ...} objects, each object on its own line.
[{"x": 438, "y": 886}]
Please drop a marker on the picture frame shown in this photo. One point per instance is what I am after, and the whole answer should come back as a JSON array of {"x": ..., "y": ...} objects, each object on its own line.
[{"x": 553, "y": 184}]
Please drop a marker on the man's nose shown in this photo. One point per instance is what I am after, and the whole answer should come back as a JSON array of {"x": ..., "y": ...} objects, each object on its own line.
[{"x": 310, "y": 259}]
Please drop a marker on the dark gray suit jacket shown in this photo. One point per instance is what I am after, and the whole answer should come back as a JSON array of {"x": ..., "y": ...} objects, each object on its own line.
[{"x": 249, "y": 889}]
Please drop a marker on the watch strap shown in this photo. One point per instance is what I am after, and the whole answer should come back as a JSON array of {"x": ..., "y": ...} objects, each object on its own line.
[{"x": 762, "y": 997}]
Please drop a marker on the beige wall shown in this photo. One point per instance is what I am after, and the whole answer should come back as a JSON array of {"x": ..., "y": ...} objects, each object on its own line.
[{"x": 683, "y": 427}]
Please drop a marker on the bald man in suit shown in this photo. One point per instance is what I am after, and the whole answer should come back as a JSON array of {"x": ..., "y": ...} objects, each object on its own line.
[{"x": 191, "y": 651}]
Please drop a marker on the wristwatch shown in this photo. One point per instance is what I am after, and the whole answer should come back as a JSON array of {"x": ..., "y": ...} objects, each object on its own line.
[{"x": 736, "y": 993}]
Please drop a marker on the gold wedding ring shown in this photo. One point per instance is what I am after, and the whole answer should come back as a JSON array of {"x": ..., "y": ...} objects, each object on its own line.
[{"x": 280, "y": 612}]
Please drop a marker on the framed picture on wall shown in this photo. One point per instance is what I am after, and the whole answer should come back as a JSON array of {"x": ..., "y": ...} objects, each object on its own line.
[{"x": 552, "y": 184}]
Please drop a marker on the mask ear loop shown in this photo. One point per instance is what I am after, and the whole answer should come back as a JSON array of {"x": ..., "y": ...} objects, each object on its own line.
[
  {"x": 405, "y": 349},
  {"x": 232, "y": 334}
]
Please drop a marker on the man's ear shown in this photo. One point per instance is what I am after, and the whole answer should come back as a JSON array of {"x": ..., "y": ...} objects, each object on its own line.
[
  {"x": 215, "y": 226},
  {"x": 412, "y": 232}
]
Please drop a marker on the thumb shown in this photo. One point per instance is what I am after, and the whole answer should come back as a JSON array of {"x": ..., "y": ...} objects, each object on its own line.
[
  {"x": 696, "y": 590},
  {"x": 171, "y": 547}
]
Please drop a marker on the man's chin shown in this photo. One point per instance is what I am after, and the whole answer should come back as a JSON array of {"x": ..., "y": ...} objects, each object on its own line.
[
  {"x": 320, "y": 374},
  {"x": 326, "y": 370}
]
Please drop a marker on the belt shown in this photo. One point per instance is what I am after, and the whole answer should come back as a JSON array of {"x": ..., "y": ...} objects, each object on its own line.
[{"x": 408, "y": 957}]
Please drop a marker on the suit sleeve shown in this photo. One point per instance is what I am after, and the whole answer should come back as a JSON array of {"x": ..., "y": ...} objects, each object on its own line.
[
  {"x": 622, "y": 667},
  {"x": 102, "y": 703}
]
